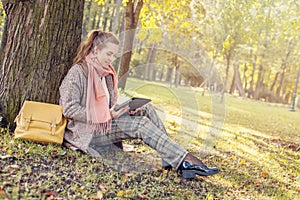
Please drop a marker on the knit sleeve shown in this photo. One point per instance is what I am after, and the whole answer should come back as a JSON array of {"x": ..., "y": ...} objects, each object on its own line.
[{"x": 71, "y": 93}]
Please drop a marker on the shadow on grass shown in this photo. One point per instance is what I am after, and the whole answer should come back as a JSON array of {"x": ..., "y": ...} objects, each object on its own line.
[{"x": 36, "y": 171}]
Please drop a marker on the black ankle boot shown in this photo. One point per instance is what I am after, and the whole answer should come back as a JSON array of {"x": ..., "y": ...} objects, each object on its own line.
[
  {"x": 168, "y": 167},
  {"x": 189, "y": 170}
]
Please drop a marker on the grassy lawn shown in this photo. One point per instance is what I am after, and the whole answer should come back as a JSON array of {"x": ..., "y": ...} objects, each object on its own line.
[{"x": 256, "y": 148}]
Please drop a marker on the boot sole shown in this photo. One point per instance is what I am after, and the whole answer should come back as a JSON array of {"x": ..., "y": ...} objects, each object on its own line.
[{"x": 192, "y": 173}]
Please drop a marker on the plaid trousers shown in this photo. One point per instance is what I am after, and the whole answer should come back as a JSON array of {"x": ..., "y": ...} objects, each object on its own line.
[{"x": 147, "y": 126}]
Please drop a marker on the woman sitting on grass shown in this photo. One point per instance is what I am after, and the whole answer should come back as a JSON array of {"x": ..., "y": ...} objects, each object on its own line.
[{"x": 88, "y": 97}]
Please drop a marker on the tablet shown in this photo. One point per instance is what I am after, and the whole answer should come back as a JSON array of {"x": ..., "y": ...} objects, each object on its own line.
[{"x": 133, "y": 103}]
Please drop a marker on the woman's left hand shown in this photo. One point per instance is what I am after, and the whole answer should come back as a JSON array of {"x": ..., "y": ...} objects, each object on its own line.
[
  {"x": 134, "y": 111},
  {"x": 115, "y": 114}
]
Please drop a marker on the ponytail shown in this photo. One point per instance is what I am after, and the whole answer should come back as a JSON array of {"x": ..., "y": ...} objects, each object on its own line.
[{"x": 95, "y": 38}]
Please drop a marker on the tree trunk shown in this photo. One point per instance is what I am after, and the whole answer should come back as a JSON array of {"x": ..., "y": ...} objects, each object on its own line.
[
  {"x": 238, "y": 81},
  {"x": 42, "y": 38},
  {"x": 151, "y": 65},
  {"x": 4, "y": 35},
  {"x": 152, "y": 60},
  {"x": 162, "y": 74},
  {"x": 245, "y": 76},
  {"x": 232, "y": 86},
  {"x": 99, "y": 18},
  {"x": 177, "y": 70},
  {"x": 131, "y": 21},
  {"x": 111, "y": 18},
  {"x": 251, "y": 87},
  {"x": 278, "y": 90},
  {"x": 258, "y": 83},
  {"x": 86, "y": 18},
  {"x": 274, "y": 82},
  {"x": 105, "y": 21},
  {"x": 116, "y": 17},
  {"x": 227, "y": 70},
  {"x": 147, "y": 65},
  {"x": 94, "y": 21},
  {"x": 177, "y": 75},
  {"x": 169, "y": 76},
  {"x": 117, "y": 62}
]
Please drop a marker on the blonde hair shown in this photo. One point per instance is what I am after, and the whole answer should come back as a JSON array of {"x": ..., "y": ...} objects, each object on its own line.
[{"x": 95, "y": 38}]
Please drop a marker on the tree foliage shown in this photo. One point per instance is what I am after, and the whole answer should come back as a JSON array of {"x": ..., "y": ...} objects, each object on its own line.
[{"x": 252, "y": 44}]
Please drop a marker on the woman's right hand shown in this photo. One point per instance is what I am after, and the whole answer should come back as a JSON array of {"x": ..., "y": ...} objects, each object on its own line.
[{"x": 115, "y": 114}]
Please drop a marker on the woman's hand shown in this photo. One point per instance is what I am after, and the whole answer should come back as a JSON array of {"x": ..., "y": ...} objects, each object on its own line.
[
  {"x": 115, "y": 114},
  {"x": 134, "y": 111}
]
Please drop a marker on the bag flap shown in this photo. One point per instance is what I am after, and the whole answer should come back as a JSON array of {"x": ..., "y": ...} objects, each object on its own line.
[{"x": 39, "y": 111}]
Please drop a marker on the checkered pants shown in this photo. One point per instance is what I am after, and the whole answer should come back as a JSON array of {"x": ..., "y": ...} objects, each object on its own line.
[{"x": 147, "y": 126}]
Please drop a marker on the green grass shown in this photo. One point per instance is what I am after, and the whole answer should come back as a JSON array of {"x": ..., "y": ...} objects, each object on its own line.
[{"x": 257, "y": 152}]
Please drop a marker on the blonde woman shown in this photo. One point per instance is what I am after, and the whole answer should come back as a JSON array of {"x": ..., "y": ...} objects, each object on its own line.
[{"x": 88, "y": 97}]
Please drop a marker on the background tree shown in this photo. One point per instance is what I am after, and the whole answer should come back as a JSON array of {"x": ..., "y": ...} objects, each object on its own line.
[
  {"x": 42, "y": 37},
  {"x": 133, "y": 9},
  {"x": 253, "y": 45}
]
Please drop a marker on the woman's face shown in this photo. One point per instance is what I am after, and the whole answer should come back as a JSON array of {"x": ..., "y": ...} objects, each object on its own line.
[{"x": 106, "y": 55}]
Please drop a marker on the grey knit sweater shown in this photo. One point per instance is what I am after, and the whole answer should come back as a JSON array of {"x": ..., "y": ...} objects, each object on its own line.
[{"x": 73, "y": 93}]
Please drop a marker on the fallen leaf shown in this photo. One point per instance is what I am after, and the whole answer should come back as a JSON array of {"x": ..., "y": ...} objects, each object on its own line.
[
  {"x": 120, "y": 193},
  {"x": 6, "y": 156},
  {"x": 3, "y": 193},
  {"x": 100, "y": 194},
  {"x": 264, "y": 174},
  {"x": 140, "y": 196},
  {"x": 128, "y": 148},
  {"x": 54, "y": 153},
  {"x": 242, "y": 162},
  {"x": 49, "y": 195},
  {"x": 14, "y": 167},
  {"x": 102, "y": 187},
  {"x": 126, "y": 176}
]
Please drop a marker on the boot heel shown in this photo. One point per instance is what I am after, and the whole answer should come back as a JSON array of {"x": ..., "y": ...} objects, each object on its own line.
[{"x": 188, "y": 174}]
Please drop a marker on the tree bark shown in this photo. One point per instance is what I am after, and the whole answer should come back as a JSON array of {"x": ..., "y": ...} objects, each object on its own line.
[
  {"x": 228, "y": 56},
  {"x": 131, "y": 21},
  {"x": 177, "y": 70},
  {"x": 100, "y": 19},
  {"x": 278, "y": 90},
  {"x": 162, "y": 74},
  {"x": 152, "y": 60},
  {"x": 150, "y": 67},
  {"x": 251, "y": 88},
  {"x": 245, "y": 76},
  {"x": 232, "y": 86},
  {"x": 169, "y": 76},
  {"x": 274, "y": 82},
  {"x": 105, "y": 20},
  {"x": 116, "y": 17},
  {"x": 42, "y": 38},
  {"x": 259, "y": 83},
  {"x": 147, "y": 65},
  {"x": 86, "y": 18},
  {"x": 238, "y": 81},
  {"x": 4, "y": 35}
]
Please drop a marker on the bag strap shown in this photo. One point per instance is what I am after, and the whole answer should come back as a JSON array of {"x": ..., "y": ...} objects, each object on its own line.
[
  {"x": 53, "y": 128},
  {"x": 29, "y": 119},
  {"x": 27, "y": 122}
]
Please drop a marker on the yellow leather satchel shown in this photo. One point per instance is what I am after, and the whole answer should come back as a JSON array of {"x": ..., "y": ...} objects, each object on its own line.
[{"x": 40, "y": 122}]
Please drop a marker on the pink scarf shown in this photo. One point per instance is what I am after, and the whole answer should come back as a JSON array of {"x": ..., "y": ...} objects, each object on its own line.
[{"x": 97, "y": 106}]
